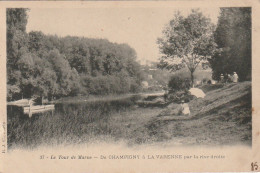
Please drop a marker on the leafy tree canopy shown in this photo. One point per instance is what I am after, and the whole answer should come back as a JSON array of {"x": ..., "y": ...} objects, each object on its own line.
[
  {"x": 186, "y": 42},
  {"x": 52, "y": 66},
  {"x": 233, "y": 37}
]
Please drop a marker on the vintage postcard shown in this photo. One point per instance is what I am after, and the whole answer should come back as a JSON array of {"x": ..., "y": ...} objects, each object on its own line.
[{"x": 130, "y": 86}]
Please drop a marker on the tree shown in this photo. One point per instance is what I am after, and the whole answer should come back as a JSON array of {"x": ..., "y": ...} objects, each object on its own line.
[
  {"x": 67, "y": 78},
  {"x": 16, "y": 20},
  {"x": 37, "y": 42},
  {"x": 233, "y": 37},
  {"x": 187, "y": 42},
  {"x": 46, "y": 65}
]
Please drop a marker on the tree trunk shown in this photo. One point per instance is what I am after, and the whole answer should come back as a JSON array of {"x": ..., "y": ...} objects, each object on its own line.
[{"x": 192, "y": 78}]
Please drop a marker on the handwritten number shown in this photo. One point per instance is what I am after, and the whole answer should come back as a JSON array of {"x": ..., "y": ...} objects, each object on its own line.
[{"x": 254, "y": 166}]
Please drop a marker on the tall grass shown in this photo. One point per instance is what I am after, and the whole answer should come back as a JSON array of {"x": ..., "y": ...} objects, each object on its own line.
[{"x": 70, "y": 124}]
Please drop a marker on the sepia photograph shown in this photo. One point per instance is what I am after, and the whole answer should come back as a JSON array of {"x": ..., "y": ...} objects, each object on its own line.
[
  {"x": 139, "y": 77},
  {"x": 183, "y": 80}
]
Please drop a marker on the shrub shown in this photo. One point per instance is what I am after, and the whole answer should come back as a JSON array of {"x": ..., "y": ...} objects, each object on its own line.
[
  {"x": 177, "y": 83},
  {"x": 204, "y": 80},
  {"x": 178, "y": 96}
]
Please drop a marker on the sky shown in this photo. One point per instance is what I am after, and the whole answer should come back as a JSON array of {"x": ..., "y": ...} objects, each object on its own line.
[{"x": 138, "y": 27}]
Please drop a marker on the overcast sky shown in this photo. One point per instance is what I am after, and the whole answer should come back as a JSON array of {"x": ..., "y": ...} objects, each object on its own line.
[{"x": 138, "y": 27}]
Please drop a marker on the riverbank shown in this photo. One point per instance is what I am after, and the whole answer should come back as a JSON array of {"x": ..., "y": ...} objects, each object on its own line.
[{"x": 223, "y": 117}]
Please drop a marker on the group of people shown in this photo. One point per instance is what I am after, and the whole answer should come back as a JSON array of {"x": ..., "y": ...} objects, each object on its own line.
[{"x": 229, "y": 78}]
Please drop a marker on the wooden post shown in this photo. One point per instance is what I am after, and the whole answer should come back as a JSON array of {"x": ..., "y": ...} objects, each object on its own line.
[
  {"x": 30, "y": 113},
  {"x": 30, "y": 106}
]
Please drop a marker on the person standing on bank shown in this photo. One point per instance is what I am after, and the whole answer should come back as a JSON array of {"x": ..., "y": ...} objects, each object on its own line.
[
  {"x": 221, "y": 78},
  {"x": 235, "y": 77},
  {"x": 230, "y": 79}
]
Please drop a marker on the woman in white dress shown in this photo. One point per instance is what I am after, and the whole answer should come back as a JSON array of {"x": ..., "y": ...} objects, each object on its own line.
[
  {"x": 235, "y": 77},
  {"x": 185, "y": 108}
]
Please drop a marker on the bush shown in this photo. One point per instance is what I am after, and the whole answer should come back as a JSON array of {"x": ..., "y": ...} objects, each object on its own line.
[
  {"x": 205, "y": 80},
  {"x": 177, "y": 83},
  {"x": 178, "y": 96}
]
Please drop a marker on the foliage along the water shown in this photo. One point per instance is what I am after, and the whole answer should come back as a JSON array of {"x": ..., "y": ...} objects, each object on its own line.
[{"x": 52, "y": 66}]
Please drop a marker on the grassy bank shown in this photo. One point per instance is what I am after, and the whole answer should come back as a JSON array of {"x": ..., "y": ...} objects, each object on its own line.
[{"x": 223, "y": 117}]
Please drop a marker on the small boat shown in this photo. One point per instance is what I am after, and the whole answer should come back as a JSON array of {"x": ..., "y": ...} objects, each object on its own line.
[
  {"x": 37, "y": 109},
  {"x": 20, "y": 103},
  {"x": 29, "y": 107}
]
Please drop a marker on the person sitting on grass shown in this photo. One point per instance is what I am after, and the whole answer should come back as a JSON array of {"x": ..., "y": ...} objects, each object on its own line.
[{"x": 185, "y": 108}]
